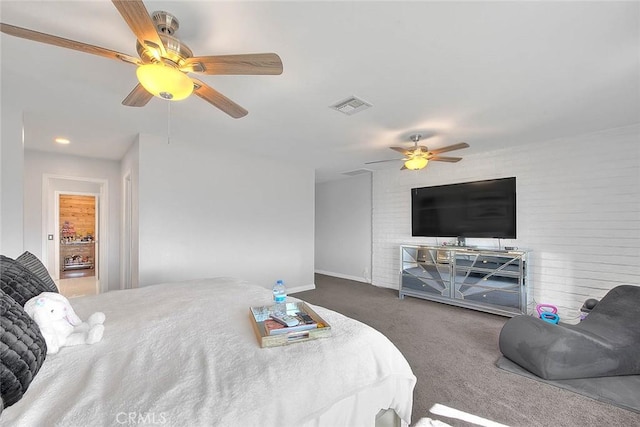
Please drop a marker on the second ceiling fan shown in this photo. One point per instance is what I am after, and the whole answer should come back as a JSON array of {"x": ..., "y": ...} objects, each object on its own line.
[
  {"x": 416, "y": 158},
  {"x": 164, "y": 60}
]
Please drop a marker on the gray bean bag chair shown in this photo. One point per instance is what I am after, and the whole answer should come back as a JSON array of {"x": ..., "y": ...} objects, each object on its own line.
[{"x": 606, "y": 343}]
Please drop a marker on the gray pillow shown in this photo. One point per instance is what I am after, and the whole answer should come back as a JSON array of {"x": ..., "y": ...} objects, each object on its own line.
[
  {"x": 32, "y": 262},
  {"x": 19, "y": 282},
  {"x": 22, "y": 351}
]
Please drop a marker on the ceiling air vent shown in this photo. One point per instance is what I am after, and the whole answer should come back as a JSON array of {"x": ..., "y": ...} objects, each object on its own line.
[{"x": 351, "y": 106}]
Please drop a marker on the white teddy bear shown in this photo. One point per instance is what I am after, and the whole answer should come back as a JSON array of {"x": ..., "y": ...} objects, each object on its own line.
[{"x": 59, "y": 324}]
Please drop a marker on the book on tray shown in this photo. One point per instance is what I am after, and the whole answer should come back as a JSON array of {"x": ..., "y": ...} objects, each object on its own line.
[{"x": 273, "y": 327}]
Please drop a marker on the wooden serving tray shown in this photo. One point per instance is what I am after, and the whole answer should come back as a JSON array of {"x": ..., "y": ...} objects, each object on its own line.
[{"x": 266, "y": 340}]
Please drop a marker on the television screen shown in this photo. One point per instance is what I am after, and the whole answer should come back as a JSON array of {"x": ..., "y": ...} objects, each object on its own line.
[{"x": 470, "y": 209}]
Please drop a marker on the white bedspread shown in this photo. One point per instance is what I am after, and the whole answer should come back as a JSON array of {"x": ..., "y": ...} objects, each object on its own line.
[{"x": 185, "y": 354}]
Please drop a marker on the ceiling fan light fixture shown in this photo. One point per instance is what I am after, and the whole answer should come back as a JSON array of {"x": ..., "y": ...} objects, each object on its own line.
[
  {"x": 164, "y": 81},
  {"x": 416, "y": 163}
]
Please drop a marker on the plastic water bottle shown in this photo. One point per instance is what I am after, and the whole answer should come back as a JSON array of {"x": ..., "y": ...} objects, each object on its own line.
[{"x": 280, "y": 297}]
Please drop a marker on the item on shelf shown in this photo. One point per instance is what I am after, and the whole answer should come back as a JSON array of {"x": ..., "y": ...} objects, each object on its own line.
[
  {"x": 68, "y": 229},
  {"x": 76, "y": 256}
]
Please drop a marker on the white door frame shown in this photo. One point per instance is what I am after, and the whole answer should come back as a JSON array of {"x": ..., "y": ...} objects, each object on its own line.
[
  {"x": 50, "y": 248},
  {"x": 126, "y": 281}
]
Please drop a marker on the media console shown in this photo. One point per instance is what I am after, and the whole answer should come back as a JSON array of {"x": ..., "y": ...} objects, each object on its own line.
[{"x": 482, "y": 279}]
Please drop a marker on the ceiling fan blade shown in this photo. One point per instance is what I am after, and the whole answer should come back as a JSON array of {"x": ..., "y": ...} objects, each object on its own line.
[
  {"x": 249, "y": 64},
  {"x": 218, "y": 100},
  {"x": 402, "y": 150},
  {"x": 139, "y": 97},
  {"x": 383, "y": 161},
  {"x": 457, "y": 146},
  {"x": 445, "y": 159},
  {"x": 138, "y": 19},
  {"x": 66, "y": 43}
]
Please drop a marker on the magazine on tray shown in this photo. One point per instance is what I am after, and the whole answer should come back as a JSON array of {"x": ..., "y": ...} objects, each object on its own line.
[{"x": 272, "y": 327}]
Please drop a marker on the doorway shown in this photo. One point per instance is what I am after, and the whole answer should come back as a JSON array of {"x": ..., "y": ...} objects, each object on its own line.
[
  {"x": 77, "y": 220},
  {"x": 75, "y": 235},
  {"x": 78, "y": 254}
]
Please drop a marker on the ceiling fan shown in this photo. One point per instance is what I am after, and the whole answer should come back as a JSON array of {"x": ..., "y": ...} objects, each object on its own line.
[
  {"x": 416, "y": 158},
  {"x": 164, "y": 60}
]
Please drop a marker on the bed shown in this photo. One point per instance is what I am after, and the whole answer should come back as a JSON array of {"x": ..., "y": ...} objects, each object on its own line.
[{"x": 185, "y": 353}]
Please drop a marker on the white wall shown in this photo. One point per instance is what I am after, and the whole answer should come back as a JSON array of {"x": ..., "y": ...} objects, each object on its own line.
[
  {"x": 36, "y": 165},
  {"x": 129, "y": 166},
  {"x": 343, "y": 228},
  {"x": 578, "y": 212},
  {"x": 206, "y": 213},
  {"x": 11, "y": 186}
]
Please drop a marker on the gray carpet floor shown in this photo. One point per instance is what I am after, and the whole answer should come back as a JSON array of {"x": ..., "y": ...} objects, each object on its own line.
[{"x": 453, "y": 352}]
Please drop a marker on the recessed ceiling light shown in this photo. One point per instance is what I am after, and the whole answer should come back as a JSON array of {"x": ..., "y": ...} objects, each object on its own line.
[{"x": 62, "y": 141}]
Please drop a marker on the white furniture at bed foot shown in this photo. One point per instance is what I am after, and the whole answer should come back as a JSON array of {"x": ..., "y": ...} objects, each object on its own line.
[{"x": 388, "y": 418}]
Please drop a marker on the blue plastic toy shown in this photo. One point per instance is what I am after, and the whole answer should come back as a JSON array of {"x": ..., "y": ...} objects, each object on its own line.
[
  {"x": 549, "y": 317},
  {"x": 548, "y": 313}
]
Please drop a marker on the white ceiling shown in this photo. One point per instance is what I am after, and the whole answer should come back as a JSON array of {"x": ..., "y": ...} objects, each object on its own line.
[{"x": 492, "y": 74}]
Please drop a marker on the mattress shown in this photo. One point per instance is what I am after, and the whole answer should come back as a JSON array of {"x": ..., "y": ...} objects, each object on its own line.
[{"x": 184, "y": 353}]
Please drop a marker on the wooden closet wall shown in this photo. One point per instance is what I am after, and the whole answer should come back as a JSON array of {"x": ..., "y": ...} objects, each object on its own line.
[{"x": 80, "y": 211}]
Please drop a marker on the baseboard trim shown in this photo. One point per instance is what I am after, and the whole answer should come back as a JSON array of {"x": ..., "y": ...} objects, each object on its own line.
[
  {"x": 343, "y": 276},
  {"x": 395, "y": 288},
  {"x": 302, "y": 288}
]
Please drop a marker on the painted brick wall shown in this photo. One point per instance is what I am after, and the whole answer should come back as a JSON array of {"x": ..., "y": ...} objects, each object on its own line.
[{"x": 578, "y": 211}]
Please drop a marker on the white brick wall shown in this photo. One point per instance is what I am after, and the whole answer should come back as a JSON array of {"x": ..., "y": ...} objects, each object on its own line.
[{"x": 578, "y": 211}]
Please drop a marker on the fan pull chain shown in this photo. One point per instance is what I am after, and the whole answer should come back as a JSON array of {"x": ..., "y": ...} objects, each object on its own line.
[{"x": 168, "y": 122}]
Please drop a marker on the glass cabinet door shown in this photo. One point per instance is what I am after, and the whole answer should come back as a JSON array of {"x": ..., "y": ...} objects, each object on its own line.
[
  {"x": 489, "y": 279},
  {"x": 426, "y": 271}
]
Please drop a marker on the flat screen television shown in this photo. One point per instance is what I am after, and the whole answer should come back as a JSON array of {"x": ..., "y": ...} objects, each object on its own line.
[{"x": 470, "y": 209}]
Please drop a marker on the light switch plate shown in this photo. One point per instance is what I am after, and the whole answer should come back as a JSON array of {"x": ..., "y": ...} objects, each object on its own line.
[{"x": 50, "y": 236}]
